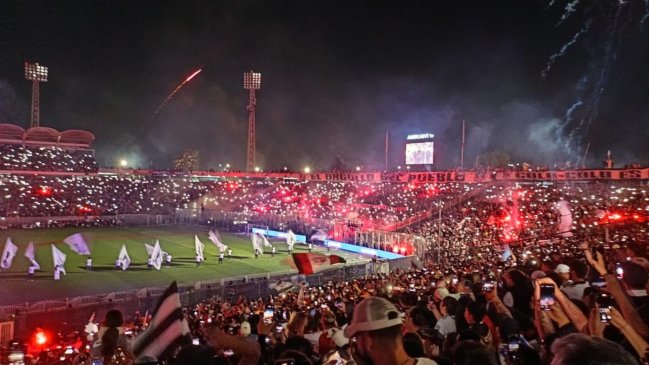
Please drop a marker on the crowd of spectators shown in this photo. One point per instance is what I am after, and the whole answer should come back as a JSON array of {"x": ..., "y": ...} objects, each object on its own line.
[{"x": 46, "y": 158}]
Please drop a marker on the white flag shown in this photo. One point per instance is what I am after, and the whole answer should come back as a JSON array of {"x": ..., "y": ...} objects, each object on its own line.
[
  {"x": 59, "y": 259},
  {"x": 124, "y": 258},
  {"x": 319, "y": 235},
  {"x": 265, "y": 240},
  {"x": 8, "y": 254},
  {"x": 257, "y": 242},
  {"x": 216, "y": 239},
  {"x": 290, "y": 239},
  {"x": 149, "y": 249},
  {"x": 31, "y": 255},
  {"x": 199, "y": 246},
  {"x": 77, "y": 244},
  {"x": 156, "y": 255}
]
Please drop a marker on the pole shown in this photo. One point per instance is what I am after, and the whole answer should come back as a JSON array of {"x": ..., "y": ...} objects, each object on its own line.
[
  {"x": 387, "y": 145},
  {"x": 462, "y": 148}
]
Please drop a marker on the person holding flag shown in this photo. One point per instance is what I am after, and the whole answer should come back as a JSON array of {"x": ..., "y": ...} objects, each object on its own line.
[
  {"x": 89, "y": 264},
  {"x": 200, "y": 248},
  {"x": 31, "y": 256},
  {"x": 30, "y": 272},
  {"x": 272, "y": 252},
  {"x": 220, "y": 257},
  {"x": 59, "y": 261},
  {"x": 8, "y": 254},
  {"x": 123, "y": 260}
]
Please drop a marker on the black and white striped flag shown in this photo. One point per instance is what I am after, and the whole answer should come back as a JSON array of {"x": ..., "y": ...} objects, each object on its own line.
[{"x": 168, "y": 328}]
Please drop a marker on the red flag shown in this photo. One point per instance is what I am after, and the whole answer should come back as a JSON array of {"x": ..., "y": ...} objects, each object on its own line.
[{"x": 308, "y": 263}]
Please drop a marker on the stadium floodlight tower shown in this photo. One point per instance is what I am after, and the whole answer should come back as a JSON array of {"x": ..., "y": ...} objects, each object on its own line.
[
  {"x": 252, "y": 82},
  {"x": 36, "y": 74}
]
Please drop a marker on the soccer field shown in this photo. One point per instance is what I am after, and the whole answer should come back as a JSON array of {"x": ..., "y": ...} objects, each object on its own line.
[{"x": 105, "y": 243}]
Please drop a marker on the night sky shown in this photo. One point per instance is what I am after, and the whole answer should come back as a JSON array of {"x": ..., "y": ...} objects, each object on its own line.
[{"x": 335, "y": 76}]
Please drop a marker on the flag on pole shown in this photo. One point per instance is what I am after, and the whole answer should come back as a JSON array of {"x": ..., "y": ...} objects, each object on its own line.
[
  {"x": 216, "y": 239},
  {"x": 319, "y": 235},
  {"x": 149, "y": 249},
  {"x": 77, "y": 244},
  {"x": 124, "y": 258},
  {"x": 59, "y": 258},
  {"x": 166, "y": 329},
  {"x": 30, "y": 253},
  {"x": 156, "y": 255},
  {"x": 257, "y": 242},
  {"x": 199, "y": 246},
  {"x": 290, "y": 239},
  {"x": 265, "y": 241},
  {"x": 309, "y": 263},
  {"x": 8, "y": 254}
]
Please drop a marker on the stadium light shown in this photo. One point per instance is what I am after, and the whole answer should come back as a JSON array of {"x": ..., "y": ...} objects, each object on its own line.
[
  {"x": 36, "y": 74},
  {"x": 123, "y": 163},
  {"x": 257, "y": 169},
  {"x": 307, "y": 170},
  {"x": 251, "y": 82},
  {"x": 358, "y": 168}
]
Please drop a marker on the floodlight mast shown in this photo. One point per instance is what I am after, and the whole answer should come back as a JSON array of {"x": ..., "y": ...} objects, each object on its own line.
[
  {"x": 252, "y": 82},
  {"x": 36, "y": 74}
]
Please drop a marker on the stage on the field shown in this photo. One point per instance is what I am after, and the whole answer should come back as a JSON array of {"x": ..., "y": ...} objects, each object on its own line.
[{"x": 178, "y": 241}]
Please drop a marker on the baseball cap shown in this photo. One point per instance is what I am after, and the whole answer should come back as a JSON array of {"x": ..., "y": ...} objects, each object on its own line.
[
  {"x": 562, "y": 269},
  {"x": 373, "y": 313}
]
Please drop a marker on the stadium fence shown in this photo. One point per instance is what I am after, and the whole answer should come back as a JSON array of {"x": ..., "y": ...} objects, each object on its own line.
[{"x": 73, "y": 313}]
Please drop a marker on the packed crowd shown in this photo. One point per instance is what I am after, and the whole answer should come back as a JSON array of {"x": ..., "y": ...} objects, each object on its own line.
[
  {"x": 370, "y": 203},
  {"x": 532, "y": 212},
  {"x": 29, "y": 158},
  {"x": 52, "y": 196},
  {"x": 576, "y": 301}
]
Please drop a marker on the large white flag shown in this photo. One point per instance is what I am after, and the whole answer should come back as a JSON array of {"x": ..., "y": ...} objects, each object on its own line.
[
  {"x": 199, "y": 246},
  {"x": 257, "y": 242},
  {"x": 216, "y": 239},
  {"x": 77, "y": 244},
  {"x": 124, "y": 258},
  {"x": 8, "y": 254},
  {"x": 149, "y": 249},
  {"x": 156, "y": 255},
  {"x": 59, "y": 259},
  {"x": 290, "y": 239},
  {"x": 30, "y": 253},
  {"x": 265, "y": 241},
  {"x": 319, "y": 235}
]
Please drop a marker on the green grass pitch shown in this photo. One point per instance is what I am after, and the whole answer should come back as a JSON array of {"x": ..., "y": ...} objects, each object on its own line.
[{"x": 105, "y": 244}]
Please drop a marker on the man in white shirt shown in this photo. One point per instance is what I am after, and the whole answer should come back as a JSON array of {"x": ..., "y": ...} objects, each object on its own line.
[
  {"x": 198, "y": 260},
  {"x": 57, "y": 273},
  {"x": 220, "y": 257},
  {"x": 89, "y": 264},
  {"x": 30, "y": 272}
]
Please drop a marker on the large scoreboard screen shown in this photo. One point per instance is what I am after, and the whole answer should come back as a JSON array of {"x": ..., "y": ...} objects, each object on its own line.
[{"x": 419, "y": 153}]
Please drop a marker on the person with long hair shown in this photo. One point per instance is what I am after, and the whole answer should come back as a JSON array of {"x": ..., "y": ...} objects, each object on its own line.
[{"x": 113, "y": 346}]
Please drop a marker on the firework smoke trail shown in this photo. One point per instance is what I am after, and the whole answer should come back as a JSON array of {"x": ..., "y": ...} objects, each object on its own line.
[
  {"x": 173, "y": 93},
  {"x": 612, "y": 48},
  {"x": 562, "y": 51},
  {"x": 570, "y": 8}
]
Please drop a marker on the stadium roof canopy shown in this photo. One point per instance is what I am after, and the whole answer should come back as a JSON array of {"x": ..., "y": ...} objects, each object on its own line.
[{"x": 44, "y": 136}]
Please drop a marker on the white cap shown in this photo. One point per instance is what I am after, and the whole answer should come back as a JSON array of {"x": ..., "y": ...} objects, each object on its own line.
[
  {"x": 373, "y": 313},
  {"x": 562, "y": 269}
]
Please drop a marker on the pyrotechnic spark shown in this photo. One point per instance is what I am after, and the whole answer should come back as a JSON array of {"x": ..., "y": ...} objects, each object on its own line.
[{"x": 175, "y": 91}]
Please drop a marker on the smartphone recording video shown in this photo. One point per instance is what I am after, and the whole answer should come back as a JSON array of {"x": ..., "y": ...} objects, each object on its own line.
[
  {"x": 547, "y": 296},
  {"x": 604, "y": 302},
  {"x": 269, "y": 313},
  {"x": 488, "y": 287}
]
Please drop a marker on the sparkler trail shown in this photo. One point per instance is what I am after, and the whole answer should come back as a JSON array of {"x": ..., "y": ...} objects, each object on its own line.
[
  {"x": 562, "y": 51},
  {"x": 175, "y": 91}
]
